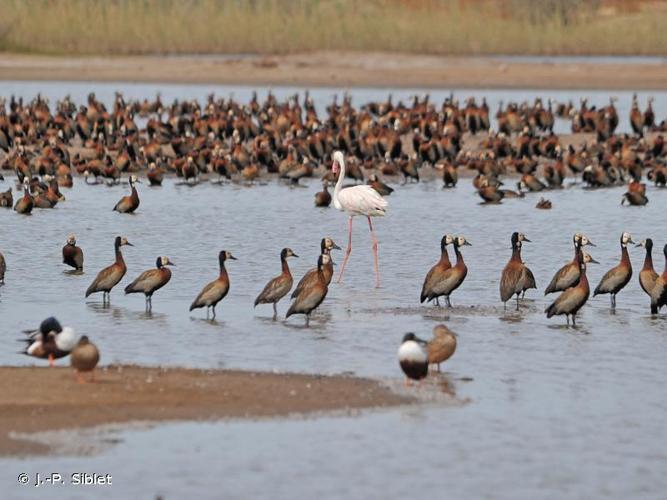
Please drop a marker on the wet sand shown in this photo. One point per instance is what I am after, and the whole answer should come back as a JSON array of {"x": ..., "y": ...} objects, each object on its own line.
[
  {"x": 36, "y": 399},
  {"x": 341, "y": 69}
]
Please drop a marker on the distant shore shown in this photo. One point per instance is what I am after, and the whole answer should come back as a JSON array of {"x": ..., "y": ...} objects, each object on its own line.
[
  {"x": 39, "y": 399},
  {"x": 343, "y": 69}
]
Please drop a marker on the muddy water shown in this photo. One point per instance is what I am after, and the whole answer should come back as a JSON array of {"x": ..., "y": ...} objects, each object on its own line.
[{"x": 551, "y": 412}]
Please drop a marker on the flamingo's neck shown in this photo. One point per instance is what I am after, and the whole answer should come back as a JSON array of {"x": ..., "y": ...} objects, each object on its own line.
[{"x": 339, "y": 184}]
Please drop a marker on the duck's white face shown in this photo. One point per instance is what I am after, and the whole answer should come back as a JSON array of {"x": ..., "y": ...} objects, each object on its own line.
[
  {"x": 123, "y": 241},
  {"x": 71, "y": 239},
  {"x": 522, "y": 237},
  {"x": 449, "y": 239},
  {"x": 165, "y": 261},
  {"x": 642, "y": 243},
  {"x": 626, "y": 238},
  {"x": 461, "y": 241}
]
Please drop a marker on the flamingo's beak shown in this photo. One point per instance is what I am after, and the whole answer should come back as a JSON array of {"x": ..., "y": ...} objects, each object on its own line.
[{"x": 335, "y": 168}]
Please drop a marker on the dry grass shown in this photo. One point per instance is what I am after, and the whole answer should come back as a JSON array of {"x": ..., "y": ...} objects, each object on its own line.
[{"x": 284, "y": 26}]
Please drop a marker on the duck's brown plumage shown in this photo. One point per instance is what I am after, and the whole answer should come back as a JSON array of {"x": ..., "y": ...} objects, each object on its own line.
[
  {"x": 648, "y": 275},
  {"x": 617, "y": 277},
  {"x": 312, "y": 294},
  {"x": 659, "y": 292},
  {"x": 326, "y": 245},
  {"x": 571, "y": 300},
  {"x": 109, "y": 277},
  {"x": 217, "y": 289},
  {"x": 129, "y": 204},
  {"x": 84, "y": 357},
  {"x": 279, "y": 286},
  {"x": 442, "y": 346},
  {"x": 152, "y": 280},
  {"x": 323, "y": 198},
  {"x": 25, "y": 204},
  {"x": 434, "y": 278},
  {"x": 453, "y": 278},
  {"x": 73, "y": 255},
  {"x": 516, "y": 277},
  {"x": 568, "y": 275}
]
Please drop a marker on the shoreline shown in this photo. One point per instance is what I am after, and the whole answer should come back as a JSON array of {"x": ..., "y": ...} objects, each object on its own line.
[
  {"x": 40, "y": 399},
  {"x": 341, "y": 69}
]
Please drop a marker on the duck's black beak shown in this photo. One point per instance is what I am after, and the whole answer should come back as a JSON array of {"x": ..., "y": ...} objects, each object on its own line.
[
  {"x": 336, "y": 247},
  {"x": 294, "y": 255}
]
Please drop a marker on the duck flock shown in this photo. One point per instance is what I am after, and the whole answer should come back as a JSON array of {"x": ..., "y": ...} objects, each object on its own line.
[{"x": 223, "y": 141}]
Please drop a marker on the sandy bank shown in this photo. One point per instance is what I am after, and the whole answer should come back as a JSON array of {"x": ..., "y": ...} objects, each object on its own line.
[
  {"x": 41, "y": 399},
  {"x": 340, "y": 69}
]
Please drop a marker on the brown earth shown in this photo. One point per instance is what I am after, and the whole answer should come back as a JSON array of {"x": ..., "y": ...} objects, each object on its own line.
[
  {"x": 41, "y": 399},
  {"x": 338, "y": 69}
]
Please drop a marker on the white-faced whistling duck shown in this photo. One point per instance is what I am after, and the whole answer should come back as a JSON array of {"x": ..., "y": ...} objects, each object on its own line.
[
  {"x": 109, "y": 277},
  {"x": 25, "y": 204},
  {"x": 413, "y": 358},
  {"x": 659, "y": 292},
  {"x": 7, "y": 199},
  {"x": 216, "y": 290},
  {"x": 84, "y": 358},
  {"x": 635, "y": 198},
  {"x": 323, "y": 198},
  {"x": 617, "y": 277},
  {"x": 453, "y": 278},
  {"x": 51, "y": 341},
  {"x": 3, "y": 268},
  {"x": 381, "y": 188},
  {"x": 568, "y": 275},
  {"x": 434, "y": 282},
  {"x": 532, "y": 183},
  {"x": 442, "y": 346},
  {"x": 571, "y": 300},
  {"x": 326, "y": 245},
  {"x": 648, "y": 275},
  {"x": 516, "y": 278},
  {"x": 279, "y": 286},
  {"x": 313, "y": 292},
  {"x": 543, "y": 204},
  {"x": 155, "y": 175},
  {"x": 129, "y": 204},
  {"x": 450, "y": 175},
  {"x": 490, "y": 194},
  {"x": 151, "y": 281},
  {"x": 72, "y": 254}
]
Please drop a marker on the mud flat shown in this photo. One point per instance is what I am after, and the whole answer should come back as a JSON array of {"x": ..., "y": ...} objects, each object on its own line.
[
  {"x": 346, "y": 69},
  {"x": 36, "y": 399}
]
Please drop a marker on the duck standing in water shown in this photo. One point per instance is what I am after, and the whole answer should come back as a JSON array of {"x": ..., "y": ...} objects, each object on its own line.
[
  {"x": 217, "y": 289},
  {"x": 3, "y": 268},
  {"x": 72, "y": 254},
  {"x": 442, "y": 346},
  {"x": 648, "y": 275},
  {"x": 571, "y": 300},
  {"x": 109, "y": 277},
  {"x": 323, "y": 198},
  {"x": 413, "y": 358},
  {"x": 516, "y": 278},
  {"x": 128, "y": 204},
  {"x": 151, "y": 281},
  {"x": 51, "y": 341},
  {"x": 25, "y": 204},
  {"x": 326, "y": 246},
  {"x": 279, "y": 286},
  {"x": 84, "y": 358},
  {"x": 435, "y": 278},
  {"x": 6, "y": 199},
  {"x": 617, "y": 277},
  {"x": 568, "y": 275},
  {"x": 659, "y": 292},
  {"x": 313, "y": 292}
]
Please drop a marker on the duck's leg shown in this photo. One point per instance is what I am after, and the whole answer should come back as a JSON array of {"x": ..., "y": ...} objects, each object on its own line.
[
  {"x": 207, "y": 311},
  {"x": 307, "y": 320},
  {"x": 275, "y": 311},
  {"x": 449, "y": 302},
  {"x": 574, "y": 320},
  {"x": 348, "y": 251},
  {"x": 375, "y": 253},
  {"x": 437, "y": 302},
  {"x": 213, "y": 308},
  {"x": 517, "y": 301}
]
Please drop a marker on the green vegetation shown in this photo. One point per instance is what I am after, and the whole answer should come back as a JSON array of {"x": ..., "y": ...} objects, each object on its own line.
[{"x": 453, "y": 27}]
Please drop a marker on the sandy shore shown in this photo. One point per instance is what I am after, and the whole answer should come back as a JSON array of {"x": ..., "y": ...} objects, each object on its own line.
[
  {"x": 42, "y": 399},
  {"x": 340, "y": 69}
]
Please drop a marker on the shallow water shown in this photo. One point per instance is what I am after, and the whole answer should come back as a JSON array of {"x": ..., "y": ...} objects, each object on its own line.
[{"x": 552, "y": 412}]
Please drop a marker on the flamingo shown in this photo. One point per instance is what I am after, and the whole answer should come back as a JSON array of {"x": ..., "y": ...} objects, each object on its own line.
[{"x": 357, "y": 200}]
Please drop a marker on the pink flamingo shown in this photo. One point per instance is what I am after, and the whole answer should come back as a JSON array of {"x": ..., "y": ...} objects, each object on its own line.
[{"x": 357, "y": 200}]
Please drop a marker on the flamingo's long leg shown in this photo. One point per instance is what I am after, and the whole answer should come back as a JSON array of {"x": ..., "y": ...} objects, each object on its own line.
[
  {"x": 375, "y": 253},
  {"x": 348, "y": 251}
]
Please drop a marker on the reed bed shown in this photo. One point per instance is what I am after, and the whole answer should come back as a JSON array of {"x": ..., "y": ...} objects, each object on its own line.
[{"x": 448, "y": 27}]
